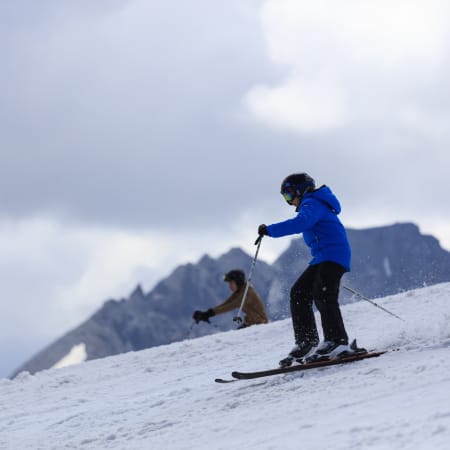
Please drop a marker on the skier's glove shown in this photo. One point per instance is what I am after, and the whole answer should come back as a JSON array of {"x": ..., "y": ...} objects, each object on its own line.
[
  {"x": 262, "y": 230},
  {"x": 204, "y": 316}
]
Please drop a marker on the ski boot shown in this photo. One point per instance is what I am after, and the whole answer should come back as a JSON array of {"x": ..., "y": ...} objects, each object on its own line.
[
  {"x": 334, "y": 350},
  {"x": 297, "y": 354}
]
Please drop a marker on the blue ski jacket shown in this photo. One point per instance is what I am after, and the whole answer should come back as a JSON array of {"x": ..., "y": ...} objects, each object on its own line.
[{"x": 322, "y": 230}]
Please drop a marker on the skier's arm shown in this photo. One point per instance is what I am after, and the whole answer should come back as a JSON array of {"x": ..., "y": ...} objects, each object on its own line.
[
  {"x": 232, "y": 302},
  {"x": 310, "y": 212}
]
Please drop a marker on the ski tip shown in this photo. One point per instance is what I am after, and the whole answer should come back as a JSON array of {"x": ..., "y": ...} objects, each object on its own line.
[{"x": 222, "y": 381}]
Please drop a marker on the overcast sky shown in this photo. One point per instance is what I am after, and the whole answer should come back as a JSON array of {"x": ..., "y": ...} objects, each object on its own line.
[{"x": 137, "y": 135}]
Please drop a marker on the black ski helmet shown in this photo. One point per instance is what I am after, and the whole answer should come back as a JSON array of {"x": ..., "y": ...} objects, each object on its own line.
[
  {"x": 236, "y": 275},
  {"x": 296, "y": 185}
]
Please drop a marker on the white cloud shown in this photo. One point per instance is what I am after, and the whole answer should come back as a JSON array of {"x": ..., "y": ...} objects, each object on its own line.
[
  {"x": 61, "y": 273},
  {"x": 349, "y": 62},
  {"x": 308, "y": 106}
]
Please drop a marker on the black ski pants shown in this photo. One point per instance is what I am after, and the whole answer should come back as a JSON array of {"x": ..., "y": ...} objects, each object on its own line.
[{"x": 318, "y": 284}]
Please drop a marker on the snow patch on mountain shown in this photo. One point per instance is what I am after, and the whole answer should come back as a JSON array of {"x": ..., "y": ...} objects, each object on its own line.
[
  {"x": 387, "y": 267},
  {"x": 76, "y": 355}
]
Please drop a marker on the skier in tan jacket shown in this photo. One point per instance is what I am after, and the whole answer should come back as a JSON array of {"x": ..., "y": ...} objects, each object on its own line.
[{"x": 253, "y": 308}]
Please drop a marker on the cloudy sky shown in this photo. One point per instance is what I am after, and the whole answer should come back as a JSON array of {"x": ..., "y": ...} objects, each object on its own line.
[{"x": 136, "y": 135}]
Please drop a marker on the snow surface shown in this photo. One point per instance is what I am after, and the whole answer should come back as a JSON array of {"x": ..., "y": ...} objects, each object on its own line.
[{"x": 166, "y": 397}]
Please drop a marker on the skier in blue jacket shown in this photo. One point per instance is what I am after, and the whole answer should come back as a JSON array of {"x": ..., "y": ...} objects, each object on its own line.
[{"x": 324, "y": 233}]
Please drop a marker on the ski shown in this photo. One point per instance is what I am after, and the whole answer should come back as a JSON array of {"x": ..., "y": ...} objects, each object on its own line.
[{"x": 299, "y": 367}]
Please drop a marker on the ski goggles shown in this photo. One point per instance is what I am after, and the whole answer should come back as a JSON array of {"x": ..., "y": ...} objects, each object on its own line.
[{"x": 288, "y": 196}]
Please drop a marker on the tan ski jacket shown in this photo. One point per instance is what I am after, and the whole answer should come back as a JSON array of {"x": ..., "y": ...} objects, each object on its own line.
[{"x": 254, "y": 309}]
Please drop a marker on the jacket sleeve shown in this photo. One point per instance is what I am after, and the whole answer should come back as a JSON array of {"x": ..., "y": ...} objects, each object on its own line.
[
  {"x": 310, "y": 212},
  {"x": 232, "y": 302}
]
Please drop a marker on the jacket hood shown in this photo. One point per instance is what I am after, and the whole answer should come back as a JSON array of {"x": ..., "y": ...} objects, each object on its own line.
[{"x": 325, "y": 195}]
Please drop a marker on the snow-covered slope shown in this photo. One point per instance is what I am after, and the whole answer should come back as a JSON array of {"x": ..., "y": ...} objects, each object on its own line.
[{"x": 166, "y": 398}]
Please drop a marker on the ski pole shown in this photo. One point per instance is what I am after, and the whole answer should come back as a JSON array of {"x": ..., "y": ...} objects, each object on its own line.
[
  {"x": 373, "y": 303},
  {"x": 244, "y": 297},
  {"x": 188, "y": 334}
]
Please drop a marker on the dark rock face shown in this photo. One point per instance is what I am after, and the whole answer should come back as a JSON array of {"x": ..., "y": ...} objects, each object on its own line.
[{"x": 386, "y": 260}]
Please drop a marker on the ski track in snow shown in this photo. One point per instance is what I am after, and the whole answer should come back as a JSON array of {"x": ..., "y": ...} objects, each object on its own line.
[{"x": 166, "y": 398}]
